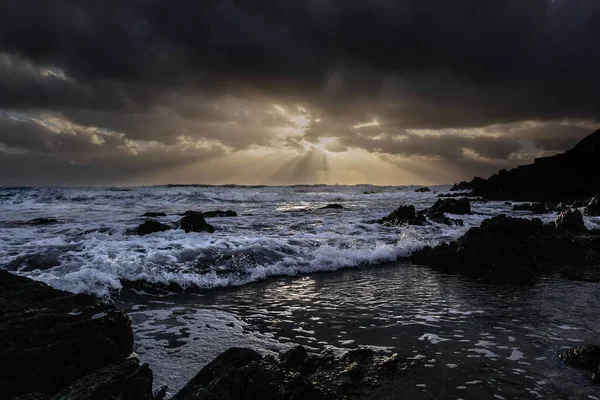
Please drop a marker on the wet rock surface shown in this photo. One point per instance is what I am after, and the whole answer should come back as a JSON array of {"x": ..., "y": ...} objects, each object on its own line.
[
  {"x": 332, "y": 207},
  {"x": 152, "y": 214},
  {"x": 50, "y": 338},
  {"x": 535, "y": 208},
  {"x": 593, "y": 207},
  {"x": 195, "y": 222},
  {"x": 451, "y": 206},
  {"x": 404, "y": 215},
  {"x": 151, "y": 226},
  {"x": 585, "y": 357},
  {"x": 424, "y": 189},
  {"x": 518, "y": 249},
  {"x": 219, "y": 213}
]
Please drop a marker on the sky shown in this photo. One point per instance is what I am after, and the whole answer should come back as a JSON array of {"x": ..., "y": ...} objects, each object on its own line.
[{"x": 387, "y": 92}]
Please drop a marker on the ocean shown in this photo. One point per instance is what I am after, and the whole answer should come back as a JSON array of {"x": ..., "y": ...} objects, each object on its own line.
[{"x": 286, "y": 271}]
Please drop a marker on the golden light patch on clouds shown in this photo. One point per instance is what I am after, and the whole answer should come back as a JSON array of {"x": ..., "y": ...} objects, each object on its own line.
[{"x": 360, "y": 125}]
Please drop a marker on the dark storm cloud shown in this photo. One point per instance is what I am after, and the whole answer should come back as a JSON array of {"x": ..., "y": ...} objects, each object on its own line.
[{"x": 167, "y": 71}]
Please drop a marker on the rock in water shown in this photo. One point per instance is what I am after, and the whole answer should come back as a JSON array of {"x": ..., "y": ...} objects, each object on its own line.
[
  {"x": 219, "y": 213},
  {"x": 123, "y": 380},
  {"x": 536, "y": 208},
  {"x": 424, "y": 189},
  {"x": 154, "y": 214},
  {"x": 570, "y": 220},
  {"x": 332, "y": 207},
  {"x": 151, "y": 226},
  {"x": 452, "y": 206},
  {"x": 50, "y": 338},
  {"x": 586, "y": 357},
  {"x": 404, "y": 215},
  {"x": 195, "y": 223},
  {"x": 593, "y": 207}
]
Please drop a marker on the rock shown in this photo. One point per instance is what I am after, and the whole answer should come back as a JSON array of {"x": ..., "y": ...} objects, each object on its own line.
[
  {"x": 31, "y": 262},
  {"x": 31, "y": 396},
  {"x": 516, "y": 249},
  {"x": 151, "y": 226},
  {"x": 294, "y": 358},
  {"x": 570, "y": 220},
  {"x": 219, "y": 213},
  {"x": 593, "y": 207},
  {"x": 424, "y": 189},
  {"x": 567, "y": 176},
  {"x": 441, "y": 218},
  {"x": 586, "y": 357},
  {"x": 195, "y": 222},
  {"x": 42, "y": 221},
  {"x": 50, "y": 338},
  {"x": 536, "y": 208},
  {"x": 242, "y": 374},
  {"x": 404, "y": 215},
  {"x": 332, "y": 206},
  {"x": 154, "y": 214},
  {"x": 123, "y": 380},
  {"x": 452, "y": 206}
]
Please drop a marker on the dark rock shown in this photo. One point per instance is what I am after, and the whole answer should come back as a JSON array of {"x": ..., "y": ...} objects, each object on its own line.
[
  {"x": 154, "y": 214},
  {"x": 570, "y": 220},
  {"x": 195, "y": 222},
  {"x": 31, "y": 262},
  {"x": 441, "y": 218},
  {"x": 404, "y": 215},
  {"x": 294, "y": 358},
  {"x": 332, "y": 206},
  {"x": 451, "y": 195},
  {"x": 219, "y": 213},
  {"x": 567, "y": 176},
  {"x": 42, "y": 221},
  {"x": 123, "y": 380},
  {"x": 452, "y": 206},
  {"x": 242, "y": 374},
  {"x": 191, "y": 212},
  {"x": 424, "y": 189},
  {"x": 151, "y": 226},
  {"x": 161, "y": 393},
  {"x": 586, "y": 357},
  {"x": 593, "y": 207},
  {"x": 50, "y": 338},
  {"x": 536, "y": 208},
  {"x": 514, "y": 248},
  {"x": 31, "y": 396}
]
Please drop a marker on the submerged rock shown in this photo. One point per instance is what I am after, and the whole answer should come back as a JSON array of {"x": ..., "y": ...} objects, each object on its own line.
[
  {"x": 50, "y": 338},
  {"x": 586, "y": 357},
  {"x": 332, "y": 206},
  {"x": 195, "y": 222},
  {"x": 151, "y": 226},
  {"x": 154, "y": 214},
  {"x": 123, "y": 380},
  {"x": 404, "y": 215},
  {"x": 219, "y": 213},
  {"x": 514, "y": 248}
]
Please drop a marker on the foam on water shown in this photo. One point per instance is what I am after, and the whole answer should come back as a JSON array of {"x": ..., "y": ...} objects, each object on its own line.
[{"x": 279, "y": 231}]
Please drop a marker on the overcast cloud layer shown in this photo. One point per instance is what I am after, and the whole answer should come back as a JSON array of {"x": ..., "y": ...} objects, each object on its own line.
[{"x": 314, "y": 91}]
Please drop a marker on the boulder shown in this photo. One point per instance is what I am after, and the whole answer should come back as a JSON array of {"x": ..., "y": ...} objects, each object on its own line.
[
  {"x": 151, "y": 226},
  {"x": 452, "y": 206},
  {"x": 570, "y": 220},
  {"x": 586, "y": 357},
  {"x": 404, "y": 215},
  {"x": 195, "y": 222},
  {"x": 424, "y": 189},
  {"x": 593, "y": 207},
  {"x": 123, "y": 380},
  {"x": 50, "y": 338}
]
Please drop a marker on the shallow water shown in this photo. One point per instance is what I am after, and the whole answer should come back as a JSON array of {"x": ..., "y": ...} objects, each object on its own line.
[{"x": 480, "y": 340}]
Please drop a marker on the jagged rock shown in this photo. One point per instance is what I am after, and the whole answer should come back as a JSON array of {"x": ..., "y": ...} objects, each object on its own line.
[
  {"x": 195, "y": 222},
  {"x": 404, "y": 215},
  {"x": 219, "y": 213},
  {"x": 441, "y": 218},
  {"x": 154, "y": 214},
  {"x": 570, "y": 220},
  {"x": 586, "y": 357},
  {"x": 332, "y": 206},
  {"x": 536, "y": 208},
  {"x": 514, "y": 248},
  {"x": 593, "y": 207},
  {"x": 42, "y": 221},
  {"x": 123, "y": 380},
  {"x": 50, "y": 338},
  {"x": 294, "y": 358},
  {"x": 567, "y": 176},
  {"x": 151, "y": 226},
  {"x": 452, "y": 206},
  {"x": 242, "y": 374},
  {"x": 424, "y": 189}
]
